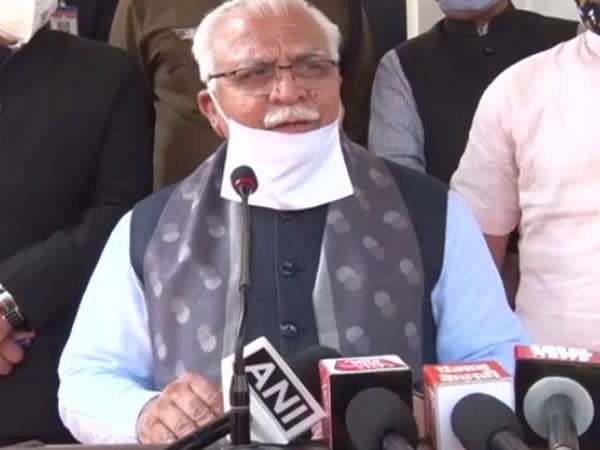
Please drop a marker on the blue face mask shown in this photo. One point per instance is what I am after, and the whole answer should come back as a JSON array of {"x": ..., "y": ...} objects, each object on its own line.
[
  {"x": 466, "y": 5},
  {"x": 589, "y": 11}
]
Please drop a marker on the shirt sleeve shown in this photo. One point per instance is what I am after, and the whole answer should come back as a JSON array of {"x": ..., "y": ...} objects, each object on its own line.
[
  {"x": 395, "y": 130},
  {"x": 108, "y": 362},
  {"x": 474, "y": 320},
  {"x": 487, "y": 174}
]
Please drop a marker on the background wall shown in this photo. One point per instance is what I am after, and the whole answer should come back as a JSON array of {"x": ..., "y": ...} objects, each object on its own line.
[{"x": 422, "y": 14}]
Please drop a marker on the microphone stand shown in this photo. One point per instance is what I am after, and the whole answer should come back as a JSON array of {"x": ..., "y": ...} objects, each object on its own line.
[
  {"x": 239, "y": 390},
  {"x": 506, "y": 440},
  {"x": 562, "y": 432}
]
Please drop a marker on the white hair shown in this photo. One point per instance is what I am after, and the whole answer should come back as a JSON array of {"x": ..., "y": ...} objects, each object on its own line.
[{"x": 203, "y": 49}]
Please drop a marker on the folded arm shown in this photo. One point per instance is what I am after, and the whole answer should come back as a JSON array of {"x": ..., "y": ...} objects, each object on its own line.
[
  {"x": 106, "y": 368},
  {"x": 474, "y": 319}
]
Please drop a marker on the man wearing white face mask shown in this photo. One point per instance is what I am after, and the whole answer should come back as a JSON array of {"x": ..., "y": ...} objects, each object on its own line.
[
  {"x": 75, "y": 154},
  {"x": 348, "y": 251}
]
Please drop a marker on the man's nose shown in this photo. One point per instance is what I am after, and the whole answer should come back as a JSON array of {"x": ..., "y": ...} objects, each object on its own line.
[{"x": 287, "y": 89}]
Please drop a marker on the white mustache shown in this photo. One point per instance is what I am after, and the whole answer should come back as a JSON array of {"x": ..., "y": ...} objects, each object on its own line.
[{"x": 284, "y": 114}]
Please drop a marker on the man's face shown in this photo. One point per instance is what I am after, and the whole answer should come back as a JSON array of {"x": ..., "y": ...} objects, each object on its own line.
[{"x": 260, "y": 42}]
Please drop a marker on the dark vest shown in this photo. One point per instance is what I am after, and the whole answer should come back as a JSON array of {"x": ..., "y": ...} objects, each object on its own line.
[
  {"x": 285, "y": 253},
  {"x": 450, "y": 66}
]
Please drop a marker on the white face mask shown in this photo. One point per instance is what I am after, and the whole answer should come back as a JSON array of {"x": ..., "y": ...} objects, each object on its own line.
[
  {"x": 294, "y": 170},
  {"x": 21, "y": 19}
]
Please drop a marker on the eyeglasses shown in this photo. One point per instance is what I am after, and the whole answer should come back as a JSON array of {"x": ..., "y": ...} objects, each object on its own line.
[{"x": 261, "y": 79}]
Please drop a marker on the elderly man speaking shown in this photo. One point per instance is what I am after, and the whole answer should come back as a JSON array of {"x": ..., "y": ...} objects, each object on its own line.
[{"x": 348, "y": 251}]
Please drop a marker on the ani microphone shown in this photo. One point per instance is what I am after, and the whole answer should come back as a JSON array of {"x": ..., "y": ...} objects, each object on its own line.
[
  {"x": 305, "y": 365},
  {"x": 281, "y": 407}
]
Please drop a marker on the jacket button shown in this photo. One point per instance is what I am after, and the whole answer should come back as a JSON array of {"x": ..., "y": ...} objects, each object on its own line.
[
  {"x": 287, "y": 269},
  {"x": 288, "y": 330},
  {"x": 489, "y": 51}
]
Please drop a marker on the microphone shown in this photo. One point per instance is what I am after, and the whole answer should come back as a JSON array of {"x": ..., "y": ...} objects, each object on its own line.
[
  {"x": 282, "y": 408},
  {"x": 304, "y": 364},
  {"x": 555, "y": 387},
  {"x": 482, "y": 422},
  {"x": 343, "y": 378},
  {"x": 244, "y": 183},
  {"x": 446, "y": 384},
  {"x": 378, "y": 419}
]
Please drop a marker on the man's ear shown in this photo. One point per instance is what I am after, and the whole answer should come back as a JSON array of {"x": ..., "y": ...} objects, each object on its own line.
[{"x": 207, "y": 107}]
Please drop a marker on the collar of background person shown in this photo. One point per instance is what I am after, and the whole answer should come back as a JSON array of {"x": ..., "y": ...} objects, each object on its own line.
[{"x": 502, "y": 21}]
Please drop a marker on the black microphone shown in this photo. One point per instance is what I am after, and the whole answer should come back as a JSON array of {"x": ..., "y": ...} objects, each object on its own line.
[
  {"x": 555, "y": 389},
  {"x": 482, "y": 422},
  {"x": 559, "y": 409},
  {"x": 376, "y": 419},
  {"x": 304, "y": 364},
  {"x": 244, "y": 183},
  {"x": 243, "y": 180}
]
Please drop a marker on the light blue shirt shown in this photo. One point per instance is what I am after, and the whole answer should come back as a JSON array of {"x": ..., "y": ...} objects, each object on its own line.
[{"x": 106, "y": 369}]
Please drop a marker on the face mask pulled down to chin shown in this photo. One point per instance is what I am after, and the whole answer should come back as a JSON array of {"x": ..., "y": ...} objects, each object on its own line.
[
  {"x": 21, "y": 19},
  {"x": 295, "y": 171},
  {"x": 466, "y": 5}
]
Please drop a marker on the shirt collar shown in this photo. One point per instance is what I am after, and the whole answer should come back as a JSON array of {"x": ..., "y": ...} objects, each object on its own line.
[
  {"x": 592, "y": 41},
  {"x": 502, "y": 21}
]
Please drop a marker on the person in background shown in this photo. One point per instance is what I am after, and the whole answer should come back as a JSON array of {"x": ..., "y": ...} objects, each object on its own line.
[
  {"x": 426, "y": 90},
  {"x": 76, "y": 153},
  {"x": 348, "y": 251},
  {"x": 532, "y": 161},
  {"x": 161, "y": 33}
]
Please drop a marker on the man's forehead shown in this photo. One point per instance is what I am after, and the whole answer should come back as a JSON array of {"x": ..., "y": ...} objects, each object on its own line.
[
  {"x": 275, "y": 52},
  {"x": 240, "y": 42},
  {"x": 259, "y": 32}
]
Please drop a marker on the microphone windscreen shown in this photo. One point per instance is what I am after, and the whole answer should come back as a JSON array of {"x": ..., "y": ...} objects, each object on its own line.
[
  {"x": 375, "y": 412},
  {"x": 305, "y": 364},
  {"x": 477, "y": 417},
  {"x": 243, "y": 178}
]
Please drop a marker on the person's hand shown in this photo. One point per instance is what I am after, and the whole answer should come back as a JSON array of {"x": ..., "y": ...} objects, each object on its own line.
[
  {"x": 11, "y": 352},
  {"x": 186, "y": 404}
]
